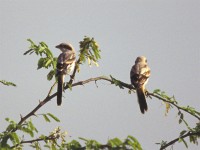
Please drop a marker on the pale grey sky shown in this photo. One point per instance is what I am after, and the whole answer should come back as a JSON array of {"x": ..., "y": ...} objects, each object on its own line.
[{"x": 166, "y": 32}]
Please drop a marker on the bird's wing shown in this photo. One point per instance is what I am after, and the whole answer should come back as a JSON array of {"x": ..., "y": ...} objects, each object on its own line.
[
  {"x": 139, "y": 74},
  {"x": 64, "y": 60}
]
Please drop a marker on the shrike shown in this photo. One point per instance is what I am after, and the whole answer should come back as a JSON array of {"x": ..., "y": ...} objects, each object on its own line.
[
  {"x": 65, "y": 65},
  {"x": 139, "y": 75}
]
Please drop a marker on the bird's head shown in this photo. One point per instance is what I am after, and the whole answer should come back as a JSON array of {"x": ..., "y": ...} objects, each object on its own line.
[
  {"x": 141, "y": 59},
  {"x": 65, "y": 47}
]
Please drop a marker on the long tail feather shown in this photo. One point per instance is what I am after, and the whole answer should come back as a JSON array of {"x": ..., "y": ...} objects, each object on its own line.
[
  {"x": 59, "y": 90},
  {"x": 142, "y": 100}
]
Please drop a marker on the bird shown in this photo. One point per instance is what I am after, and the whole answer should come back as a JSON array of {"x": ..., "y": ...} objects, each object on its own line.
[
  {"x": 65, "y": 65},
  {"x": 139, "y": 75}
]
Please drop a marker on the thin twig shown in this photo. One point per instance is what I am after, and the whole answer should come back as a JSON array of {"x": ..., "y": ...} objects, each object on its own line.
[
  {"x": 36, "y": 140},
  {"x": 178, "y": 107},
  {"x": 177, "y": 139}
]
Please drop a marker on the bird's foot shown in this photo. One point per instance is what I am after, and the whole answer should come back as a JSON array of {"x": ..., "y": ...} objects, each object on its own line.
[{"x": 147, "y": 94}]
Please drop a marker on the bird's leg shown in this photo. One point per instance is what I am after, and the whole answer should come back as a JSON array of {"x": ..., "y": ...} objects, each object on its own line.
[
  {"x": 147, "y": 93},
  {"x": 64, "y": 84},
  {"x": 72, "y": 77}
]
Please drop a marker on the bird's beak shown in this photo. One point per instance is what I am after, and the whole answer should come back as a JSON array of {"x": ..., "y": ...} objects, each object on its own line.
[{"x": 57, "y": 46}]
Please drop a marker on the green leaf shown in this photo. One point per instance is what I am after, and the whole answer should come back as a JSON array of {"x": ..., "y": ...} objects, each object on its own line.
[
  {"x": 51, "y": 74},
  {"x": 181, "y": 118},
  {"x": 7, "y": 83},
  {"x": 84, "y": 139},
  {"x": 41, "y": 63},
  {"x": 27, "y": 130},
  {"x": 12, "y": 125},
  {"x": 54, "y": 62},
  {"x": 46, "y": 118},
  {"x": 73, "y": 145},
  {"x": 47, "y": 63},
  {"x": 32, "y": 43},
  {"x": 30, "y": 51},
  {"x": 92, "y": 144},
  {"x": 134, "y": 143},
  {"x": 193, "y": 139},
  {"x": 14, "y": 138},
  {"x": 31, "y": 126},
  {"x": 53, "y": 117},
  {"x": 182, "y": 132},
  {"x": 53, "y": 147},
  {"x": 115, "y": 142},
  {"x": 182, "y": 140},
  {"x": 116, "y": 82},
  {"x": 156, "y": 91},
  {"x": 4, "y": 146}
]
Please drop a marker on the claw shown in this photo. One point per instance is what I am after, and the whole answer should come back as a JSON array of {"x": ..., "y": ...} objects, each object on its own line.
[
  {"x": 147, "y": 94},
  {"x": 72, "y": 78},
  {"x": 64, "y": 84}
]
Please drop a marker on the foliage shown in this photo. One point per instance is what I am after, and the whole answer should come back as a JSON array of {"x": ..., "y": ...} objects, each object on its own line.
[
  {"x": 14, "y": 136},
  {"x": 89, "y": 50},
  {"x": 116, "y": 82},
  {"x": 4, "y": 82},
  {"x": 192, "y": 133},
  {"x": 46, "y": 57}
]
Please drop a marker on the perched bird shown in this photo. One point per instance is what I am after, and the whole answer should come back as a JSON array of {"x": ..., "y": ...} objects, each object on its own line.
[
  {"x": 65, "y": 65},
  {"x": 140, "y": 73}
]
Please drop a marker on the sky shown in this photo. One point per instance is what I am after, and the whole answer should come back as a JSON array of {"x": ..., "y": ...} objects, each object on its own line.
[{"x": 166, "y": 32}]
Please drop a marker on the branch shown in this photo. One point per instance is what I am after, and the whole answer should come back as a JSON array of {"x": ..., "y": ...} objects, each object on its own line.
[
  {"x": 112, "y": 81},
  {"x": 128, "y": 86},
  {"x": 123, "y": 84},
  {"x": 177, "y": 139},
  {"x": 36, "y": 140},
  {"x": 48, "y": 98},
  {"x": 171, "y": 102},
  {"x": 106, "y": 146}
]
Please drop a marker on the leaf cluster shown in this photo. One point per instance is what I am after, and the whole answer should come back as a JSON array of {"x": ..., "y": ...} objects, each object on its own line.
[
  {"x": 9, "y": 135},
  {"x": 130, "y": 143},
  {"x": 192, "y": 133},
  {"x": 11, "y": 139},
  {"x": 117, "y": 82},
  {"x": 46, "y": 57},
  {"x": 89, "y": 50}
]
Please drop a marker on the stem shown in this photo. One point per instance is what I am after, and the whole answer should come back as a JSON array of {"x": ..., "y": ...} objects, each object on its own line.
[
  {"x": 178, "y": 107},
  {"x": 182, "y": 137}
]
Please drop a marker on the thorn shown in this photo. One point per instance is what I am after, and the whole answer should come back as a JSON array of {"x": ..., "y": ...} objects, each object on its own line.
[{"x": 96, "y": 83}]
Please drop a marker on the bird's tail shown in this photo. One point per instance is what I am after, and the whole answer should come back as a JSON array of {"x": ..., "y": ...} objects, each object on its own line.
[
  {"x": 142, "y": 100},
  {"x": 59, "y": 90}
]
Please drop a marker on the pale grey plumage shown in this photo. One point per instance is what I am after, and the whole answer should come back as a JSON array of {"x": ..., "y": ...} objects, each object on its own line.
[
  {"x": 140, "y": 73},
  {"x": 65, "y": 65}
]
